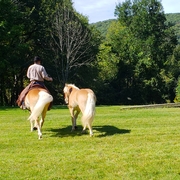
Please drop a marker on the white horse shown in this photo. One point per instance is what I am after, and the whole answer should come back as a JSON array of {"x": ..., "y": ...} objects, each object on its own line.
[
  {"x": 80, "y": 100},
  {"x": 37, "y": 101}
]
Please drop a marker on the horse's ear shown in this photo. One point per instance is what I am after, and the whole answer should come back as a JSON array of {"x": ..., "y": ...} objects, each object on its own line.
[{"x": 70, "y": 90}]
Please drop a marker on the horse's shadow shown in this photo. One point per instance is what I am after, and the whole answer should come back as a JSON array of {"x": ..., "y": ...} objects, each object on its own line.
[
  {"x": 99, "y": 131},
  {"x": 108, "y": 130}
]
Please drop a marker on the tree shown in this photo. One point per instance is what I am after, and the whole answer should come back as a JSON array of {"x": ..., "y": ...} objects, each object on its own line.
[
  {"x": 74, "y": 42},
  {"x": 21, "y": 37},
  {"x": 12, "y": 46},
  {"x": 110, "y": 53},
  {"x": 149, "y": 47},
  {"x": 29, "y": 28}
]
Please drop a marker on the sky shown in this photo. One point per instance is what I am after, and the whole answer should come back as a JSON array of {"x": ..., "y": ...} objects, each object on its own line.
[{"x": 100, "y": 10}]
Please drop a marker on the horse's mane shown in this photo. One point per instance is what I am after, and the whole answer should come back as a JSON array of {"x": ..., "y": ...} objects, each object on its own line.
[{"x": 72, "y": 85}]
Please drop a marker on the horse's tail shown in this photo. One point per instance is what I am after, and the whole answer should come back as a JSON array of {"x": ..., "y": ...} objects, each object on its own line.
[
  {"x": 44, "y": 98},
  {"x": 88, "y": 115}
]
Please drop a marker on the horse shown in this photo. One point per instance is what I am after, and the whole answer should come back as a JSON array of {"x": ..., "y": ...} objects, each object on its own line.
[
  {"x": 80, "y": 100},
  {"x": 37, "y": 101}
]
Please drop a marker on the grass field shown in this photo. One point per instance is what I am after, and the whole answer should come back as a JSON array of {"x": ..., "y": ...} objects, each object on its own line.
[{"x": 128, "y": 144}]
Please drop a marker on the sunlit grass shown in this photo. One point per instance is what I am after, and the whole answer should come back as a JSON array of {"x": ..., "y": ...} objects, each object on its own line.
[{"x": 127, "y": 144}]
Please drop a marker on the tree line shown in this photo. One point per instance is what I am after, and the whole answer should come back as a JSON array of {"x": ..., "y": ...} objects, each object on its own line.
[
  {"x": 173, "y": 18},
  {"x": 136, "y": 62}
]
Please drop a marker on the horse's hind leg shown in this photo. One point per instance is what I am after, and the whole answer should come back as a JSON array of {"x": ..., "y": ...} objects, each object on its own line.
[
  {"x": 84, "y": 126},
  {"x": 90, "y": 129},
  {"x": 42, "y": 118},
  {"x": 41, "y": 122},
  {"x": 74, "y": 127},
  {"x": 37, "y": 126},
  {"x": 39, "y": 130},
  {"x": 84, "y": 129},
  {"x": 89, "y": 124},
  {"x": 32, "y": 125},
  {"x": 73, "y": 118}
]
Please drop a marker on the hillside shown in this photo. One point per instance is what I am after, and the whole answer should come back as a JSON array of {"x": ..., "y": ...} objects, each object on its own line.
[
  {"x": 103, "y": 26},
  {"x": 173, "y": 18}
]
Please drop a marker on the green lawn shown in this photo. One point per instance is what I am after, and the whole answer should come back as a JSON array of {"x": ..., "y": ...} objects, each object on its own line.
[{"x": 128, "y": 144}]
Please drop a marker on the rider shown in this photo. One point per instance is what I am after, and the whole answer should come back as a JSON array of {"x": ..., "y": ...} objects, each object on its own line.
[{"x": 37, "y": 74}]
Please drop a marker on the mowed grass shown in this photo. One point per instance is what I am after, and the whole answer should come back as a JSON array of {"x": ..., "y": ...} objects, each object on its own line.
[{"x": 128, "y": 144}]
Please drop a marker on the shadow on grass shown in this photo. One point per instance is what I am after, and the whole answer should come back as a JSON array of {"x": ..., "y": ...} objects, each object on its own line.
[
  {"x": 99, "y": 131},
  {"x": 108, "y": 130},
  {"x": 66, "y": 132}
]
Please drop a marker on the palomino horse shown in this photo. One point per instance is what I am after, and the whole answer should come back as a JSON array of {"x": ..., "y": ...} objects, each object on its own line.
[
  {"x": 37, "y": 101},
  {"x": 80, "y": 100}
]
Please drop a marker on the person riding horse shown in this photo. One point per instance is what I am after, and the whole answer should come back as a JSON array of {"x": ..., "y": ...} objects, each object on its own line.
[{"x": 37, "y": 74}]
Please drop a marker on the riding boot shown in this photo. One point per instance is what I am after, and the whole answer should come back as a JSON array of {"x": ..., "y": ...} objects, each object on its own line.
[{"x": 23, "y": 106}]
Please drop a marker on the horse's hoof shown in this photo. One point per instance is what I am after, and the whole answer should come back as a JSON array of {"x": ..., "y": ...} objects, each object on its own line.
[
  {"x": 40, "y": 137},
  {"x": 34, "y": 128}
]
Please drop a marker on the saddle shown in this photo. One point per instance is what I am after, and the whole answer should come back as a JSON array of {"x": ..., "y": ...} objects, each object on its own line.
[{"x": 34, "y": 86}]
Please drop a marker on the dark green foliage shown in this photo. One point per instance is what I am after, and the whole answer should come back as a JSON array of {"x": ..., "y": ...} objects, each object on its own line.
[
  {"x": 177, "y": 98},
  {"x": 143, "y": 47},
  {"x": 173, "y": 18},
  {"x": 137, "y": 61},
  {"x": 13, "y": 49},
  {"x": 26, "y": 29}
]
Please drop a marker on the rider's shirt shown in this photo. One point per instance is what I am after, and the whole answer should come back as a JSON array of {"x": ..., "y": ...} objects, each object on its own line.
[{"x": 37, "y": 72}]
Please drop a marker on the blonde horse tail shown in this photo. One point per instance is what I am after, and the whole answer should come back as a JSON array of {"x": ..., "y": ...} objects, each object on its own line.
[
  {"x": 88, "y": 115},
  {"x": 44, "y": 98}
]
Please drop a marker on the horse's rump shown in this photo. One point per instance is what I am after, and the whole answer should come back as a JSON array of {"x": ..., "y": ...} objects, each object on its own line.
[
  {"x": 32, "y": 85},
  {"x": 35, "y": 94},
  {"x": 89, "y": 111},
  {"x": 37, "y": 101},
  {"x": 84, "y": 98}
]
